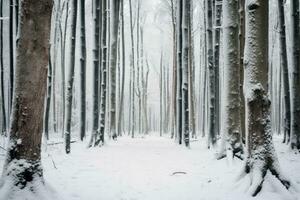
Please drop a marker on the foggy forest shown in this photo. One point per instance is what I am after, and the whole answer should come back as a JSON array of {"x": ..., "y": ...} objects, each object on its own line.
[{"x": 149, "y": 99}]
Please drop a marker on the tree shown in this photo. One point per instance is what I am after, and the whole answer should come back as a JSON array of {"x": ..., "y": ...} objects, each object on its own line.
[
  {"x": 186, "y": 51},
  {"x": 179, "y": 71},
  {"x": 71, "y": 79},
  {"x": 212, "y": 74},
  {"x": 23, "y": 162},
  {"x": 232, "y": 130},
  {"x": 3, "y": 114},
  {"x": 115, "y": 7},
  {"x": 295, "y": 132},
  {"x": 261, "y": 152},
  {"x": 82, "y": 71},
  {"x": 104, "y": 52},
  {"x": 95, "y": 137},
  {"x": 121, "y": 109}
]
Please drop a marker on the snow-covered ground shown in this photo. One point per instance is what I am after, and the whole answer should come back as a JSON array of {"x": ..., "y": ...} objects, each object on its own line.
[{"x": 154, "y": 168}]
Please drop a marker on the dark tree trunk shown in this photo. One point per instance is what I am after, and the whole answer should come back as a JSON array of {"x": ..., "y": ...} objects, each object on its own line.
[
  {"x": 70, "y": 85},
  {"x": 82, "y": 71},
  {"x": 3, "y": 109},
  {"x": 179, "y": 71}
]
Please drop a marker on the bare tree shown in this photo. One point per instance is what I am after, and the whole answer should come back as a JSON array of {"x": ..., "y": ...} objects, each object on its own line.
[
  {"x": 295, "y": 132},
  {"x": 23, "y": 162},
  {"x": 71, "y": 79},
  {"x": 261, "y": 152}
]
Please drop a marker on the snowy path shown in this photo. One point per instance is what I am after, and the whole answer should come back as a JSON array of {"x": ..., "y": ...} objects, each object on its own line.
[{"x": 141, "y": 169}]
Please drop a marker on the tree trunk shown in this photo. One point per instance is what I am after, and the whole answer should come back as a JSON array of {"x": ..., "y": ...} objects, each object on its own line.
[
  {"x": 104, "y": 46},
  {"x": 11, "y": 53},
  {"x": 121, "y": 109},
  {"x": 212, "y": 75},
  {"x": 95, "y": 130},
  {"x": 232, "y": 130},
  {"x": 23, "y": 163},
  {"x": 295, "y": 132},
  {"x": 3, "y": 109},
  {"x": 186, "y": 20},
  {"x": 133, "y": 72},
  {"x": 115, "y": 8},
  {"x": 261, "y": 151},
  {"x": 179, "y": 71},
  {"x": 70, "y": 79},
  {"x": 82, "y": 71}
]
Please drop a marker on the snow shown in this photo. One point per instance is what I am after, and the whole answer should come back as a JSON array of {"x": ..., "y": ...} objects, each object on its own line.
[{"x": 155, "y": 167}]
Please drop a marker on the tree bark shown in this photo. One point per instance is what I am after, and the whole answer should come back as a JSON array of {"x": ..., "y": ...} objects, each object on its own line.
[
  {"x": 70, "y": 85},
  {"x": 261, "y": 151},
  {"x": 232, "y": 131},
  {"x": 23, "y": 162},
  {"x": 82, "y": 71},
  {"x": 295, "y": 132},
  {"x": 115, "y": 8}
]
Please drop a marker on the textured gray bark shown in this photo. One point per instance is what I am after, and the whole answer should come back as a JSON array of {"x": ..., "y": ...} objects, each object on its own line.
[
  {"x": 121, "y": 108},
  {"x": 212, "y": 74},
  {"x": 3, "y": 109},
  {"x": 82, "y": 71},
  {"x": 284, "y": 67},
  {"x": 186, "y": 20},
  {"x": 179, "y": 72},
  {"x": 48, "y": 98},
  {"x": 11, "y": 53},
  {"x": 295, "y": 132},
  {"x": 95, "y": 129},
  {"x": 70, "y": 84},
  {"x": 115, "y": 8},
  {"x": 133, "y": 73},
  {"x": 26, "y": 126},
  {"x": 261, "y": 151},
  {"x": 232, "y": 131},
  {"x": 104, "y": 46}
]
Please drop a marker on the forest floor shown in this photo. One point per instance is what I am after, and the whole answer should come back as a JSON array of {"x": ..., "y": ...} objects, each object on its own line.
[{"x": 155, "y": 168}]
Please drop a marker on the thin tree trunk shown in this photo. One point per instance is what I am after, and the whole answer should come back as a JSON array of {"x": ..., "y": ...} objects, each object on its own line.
[
  {"x": 82, "y": 72},
  {"x": 115, "y": 8},
  {"x": 3, "y": 109},
  {"x": 121, "y": 110},
  {"x": 104, "y": 47},
  {"x": 71, "y": 79},
  {"x": 179, "y": 71},
  {"x": 133, "y": 73},
  {"x": 212, "y": 74}
]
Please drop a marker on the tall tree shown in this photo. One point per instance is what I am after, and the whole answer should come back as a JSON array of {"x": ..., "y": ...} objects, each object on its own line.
[
  {"x": 70, "y": 79},
  {"x": 284, "y": 67},
  {"x": 212, "y": 73},
  {"x": 82, "y": 71},
  {"x": 121, "y": 108},
  {"x": 3, "y": 108},
  {"x": 115, "y": 8},
  {"x": 232, "y": 133},
  {"x": 11, "y": 52},
  {"x": 261, "y": 152},
  {"x": 186, "y": 51},
  {"x": 295, "y": 132},
  {"x": 23, "y": 162},
  {"x": 104, "y": 52},
  {"x": 95, "y": 137},
  {"x": 179, "y": 71},
  {"x": 133, "y": 72}
]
